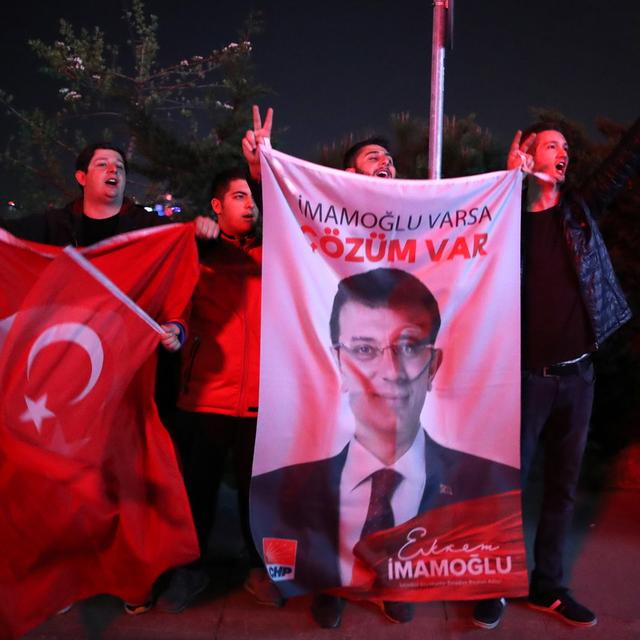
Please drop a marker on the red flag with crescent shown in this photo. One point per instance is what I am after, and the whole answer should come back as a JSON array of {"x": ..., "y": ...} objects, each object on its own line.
[{"x": 91, "y": 497}]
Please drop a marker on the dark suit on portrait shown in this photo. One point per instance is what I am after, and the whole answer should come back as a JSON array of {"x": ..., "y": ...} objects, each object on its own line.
[{"x": 301, "y": 502}]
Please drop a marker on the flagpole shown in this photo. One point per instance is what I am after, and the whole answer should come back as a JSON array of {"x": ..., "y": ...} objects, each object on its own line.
[{"x": 438, "y": 40}]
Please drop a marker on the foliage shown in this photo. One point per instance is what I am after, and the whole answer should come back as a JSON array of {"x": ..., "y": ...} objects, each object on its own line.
[
  {"x": 177, "y": 123},
  {"x": 467, "y": 148},
  {"x": 617, "y": 407}
]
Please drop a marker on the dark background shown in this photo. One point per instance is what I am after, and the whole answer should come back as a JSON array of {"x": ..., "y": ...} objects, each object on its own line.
[{"x": 340, "y": 67}]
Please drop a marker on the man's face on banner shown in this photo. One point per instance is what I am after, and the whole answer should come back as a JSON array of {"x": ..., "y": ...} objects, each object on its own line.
[{"x": 387, "y": 362}]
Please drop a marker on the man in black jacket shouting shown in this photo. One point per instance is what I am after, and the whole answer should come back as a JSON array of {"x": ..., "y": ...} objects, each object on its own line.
[{"x": 571, "y": 302}]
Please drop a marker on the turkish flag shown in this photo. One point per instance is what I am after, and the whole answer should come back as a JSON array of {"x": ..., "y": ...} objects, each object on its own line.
[
  {"x": 157, "y": 268},
  {"x": 91, "y": 497}
]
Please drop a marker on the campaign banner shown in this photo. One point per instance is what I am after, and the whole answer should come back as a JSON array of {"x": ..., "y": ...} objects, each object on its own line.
[
  {"x": 387, "y": 453},
  {"x": 92, "y": 499}
]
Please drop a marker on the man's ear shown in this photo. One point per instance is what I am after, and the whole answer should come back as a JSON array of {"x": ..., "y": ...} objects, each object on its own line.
[
  {"x": 81, "y": 177},
  {"x": 336, "y": 358},
  {"x": 434, "y": 365},
  {"x": 350, "y": 170},
  {"x": 216, "y": 205}
]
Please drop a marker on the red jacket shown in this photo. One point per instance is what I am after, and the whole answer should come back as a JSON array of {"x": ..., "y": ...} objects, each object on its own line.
[{"x": 221, "y": 359}]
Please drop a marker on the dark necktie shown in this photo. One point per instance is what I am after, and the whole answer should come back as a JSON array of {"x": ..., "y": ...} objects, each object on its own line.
[{"x": 380, "y": 514}]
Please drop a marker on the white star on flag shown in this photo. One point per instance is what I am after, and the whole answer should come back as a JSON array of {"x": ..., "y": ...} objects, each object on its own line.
[{"x": 36, "y": 411}]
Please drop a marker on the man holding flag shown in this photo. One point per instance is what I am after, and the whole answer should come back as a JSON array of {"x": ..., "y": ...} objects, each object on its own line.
[
  {"x": 100, "y": 213},
  {"x": 85, "y": 457},
  {"x": 367, "y": 157},
  {"x": 318, "y": 535}
]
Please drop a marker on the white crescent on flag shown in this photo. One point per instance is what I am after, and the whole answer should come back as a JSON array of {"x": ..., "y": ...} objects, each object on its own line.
[{"x": 79, "y": 334}]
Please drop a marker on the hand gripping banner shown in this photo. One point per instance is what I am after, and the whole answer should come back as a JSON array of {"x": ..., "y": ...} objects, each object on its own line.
[{"x": 387, "y": 451}]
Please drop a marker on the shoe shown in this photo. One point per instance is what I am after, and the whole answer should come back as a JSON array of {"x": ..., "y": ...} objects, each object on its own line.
[
  {"x": 260, "y": 586},
  {"x": 185, "y": 584},
  {"x": 488, "y": 613},
  {"x": 565, "y": 607},
  {"x": 327, "y": 610},
  {"x": 399, "y": 612},
  {"x": 136, "y": 609}
]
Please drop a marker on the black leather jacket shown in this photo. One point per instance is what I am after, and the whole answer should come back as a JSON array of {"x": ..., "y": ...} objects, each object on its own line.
[{"x": 601, "y": 292}]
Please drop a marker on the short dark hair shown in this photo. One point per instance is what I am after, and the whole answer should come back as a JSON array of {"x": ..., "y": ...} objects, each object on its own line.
[
  {"x": 221, "y": 181},
  {"x": 383, "y": 287},
  {"x": 84, "y": 157},
  {"x": 349, "y": 158},
  {"x": 544, "y": 125}
]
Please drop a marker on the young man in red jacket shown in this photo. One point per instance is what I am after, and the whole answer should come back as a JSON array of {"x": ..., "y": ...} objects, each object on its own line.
[{"x": 220, "y": 371}]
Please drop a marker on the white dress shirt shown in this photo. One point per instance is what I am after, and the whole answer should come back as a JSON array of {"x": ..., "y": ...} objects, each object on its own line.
[{"x": 355, "y": 492}]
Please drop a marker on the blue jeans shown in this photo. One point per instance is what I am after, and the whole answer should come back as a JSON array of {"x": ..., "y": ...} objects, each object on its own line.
[{"x": 555, "y": 414}]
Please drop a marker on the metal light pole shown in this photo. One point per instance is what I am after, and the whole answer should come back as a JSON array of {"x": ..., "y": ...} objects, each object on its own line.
[{"x": 442, "y": 27}]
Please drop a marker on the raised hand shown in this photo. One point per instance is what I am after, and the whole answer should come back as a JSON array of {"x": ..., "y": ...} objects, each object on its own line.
[
  {"x": 518, "y": 157},
  {"x": 254, "y": 137}
]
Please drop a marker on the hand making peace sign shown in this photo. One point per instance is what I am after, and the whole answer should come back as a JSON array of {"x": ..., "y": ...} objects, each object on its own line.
[
  {"x": 253, "y": 138},
  {"x": 518, "y": 157}
]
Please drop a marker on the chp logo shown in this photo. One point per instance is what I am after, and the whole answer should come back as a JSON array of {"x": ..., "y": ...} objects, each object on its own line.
[{"x": 280, "y": 558}]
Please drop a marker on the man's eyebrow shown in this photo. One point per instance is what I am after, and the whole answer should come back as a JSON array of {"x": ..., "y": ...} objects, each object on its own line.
[
  {"x": 363, "y": 338},
  {"x": 100, "y": 158}
]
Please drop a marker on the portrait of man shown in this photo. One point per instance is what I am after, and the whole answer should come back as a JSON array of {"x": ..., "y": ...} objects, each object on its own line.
[{"x": 384, "y": 327}]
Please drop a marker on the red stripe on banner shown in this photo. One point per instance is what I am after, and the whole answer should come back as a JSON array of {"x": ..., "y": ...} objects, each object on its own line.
[{"x": 476, "y": 545}]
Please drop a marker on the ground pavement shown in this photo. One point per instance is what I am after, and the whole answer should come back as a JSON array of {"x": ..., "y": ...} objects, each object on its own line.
[{"x": 604, "y": 553}]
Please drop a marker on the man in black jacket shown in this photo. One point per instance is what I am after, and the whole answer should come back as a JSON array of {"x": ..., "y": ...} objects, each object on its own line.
[
  {"x": 102, "y": 211},
  {"x": 571, "y": 302}
]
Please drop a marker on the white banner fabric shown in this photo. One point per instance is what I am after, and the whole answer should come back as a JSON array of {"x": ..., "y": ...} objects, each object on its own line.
[{"x": 456, "y": 241}]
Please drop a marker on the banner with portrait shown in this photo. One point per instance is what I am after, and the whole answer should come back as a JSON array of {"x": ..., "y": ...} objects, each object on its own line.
[{"x": 387, "y": 452}]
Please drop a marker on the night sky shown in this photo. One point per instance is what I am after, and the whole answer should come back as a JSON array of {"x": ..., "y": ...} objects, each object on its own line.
[{"x": 340, "y": 67}]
